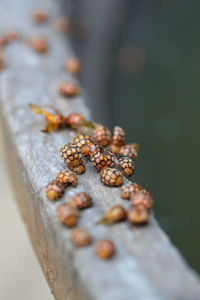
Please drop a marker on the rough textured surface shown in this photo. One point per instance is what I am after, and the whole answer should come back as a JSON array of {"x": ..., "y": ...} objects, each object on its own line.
[{"x": 146, "y": 265}]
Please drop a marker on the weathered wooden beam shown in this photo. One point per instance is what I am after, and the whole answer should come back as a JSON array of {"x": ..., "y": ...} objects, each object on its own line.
[{"x": 146, "y": 265}]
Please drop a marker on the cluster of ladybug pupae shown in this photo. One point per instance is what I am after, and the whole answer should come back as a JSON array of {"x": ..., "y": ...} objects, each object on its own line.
[
  {"x": 112, "y": 159},
  {"x": 56, "y": 187},
  {"x": 108, "y": 153},
  {"x": 69, "y": 213},
  {"x": 97, "y": 149},
  {"x": 111, "y": 167},
  {"x": 141, "y": 203}
]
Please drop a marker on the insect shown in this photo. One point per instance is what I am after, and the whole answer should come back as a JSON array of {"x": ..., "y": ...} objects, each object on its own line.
[
  {"x": 111, "y": 177},
  {"x": 91, "y": 148},
  {"x": 75, "y": 120},
  {"x": 105, "y": 249},
  {"x": 54, "y": 120},
  {"x": 110, "y": 157},
  {"x": 82, "y": 140},
  {"x": 80, "y": 237},
  {"x": 67, "y": 177},
  {"x": 8, "y": 38},
  {"x": 68, "y": 89},
  {"x": 81, "y": 201},
  {"x": 80, "y": 169},
  {"x": 73, "y": 65},
  {"x": 39, "y": 44},
  {"x": 118, "y": 136},
  {"x": 12, "y": 36},
  {"x": 115, "y": 214},
  {"x": 130, "y": 188},
  {"x": 3, "y": 41},
  {"x": 72, "y": 155},
  {"x": 115, "y": 149},
  {"x": 142, "y": 198},
  {"x": 99, "y": 160},
  {"x": 127, "y": 166},
  {"x": 138, "y": 215},
  {"x": 67, "y": 215},
  {"x": 129, "y": 151},
  {"x": 40, "y": 16},
  {"x": 102, "y": 135},
  {"x": 54, "y": 190}
]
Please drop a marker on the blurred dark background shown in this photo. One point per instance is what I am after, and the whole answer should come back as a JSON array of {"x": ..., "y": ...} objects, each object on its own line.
[{"x": 141, "y": 66}]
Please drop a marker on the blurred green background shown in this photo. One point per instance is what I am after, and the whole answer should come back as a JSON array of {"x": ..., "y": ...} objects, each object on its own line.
[{"x": 158, "y": 104}]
